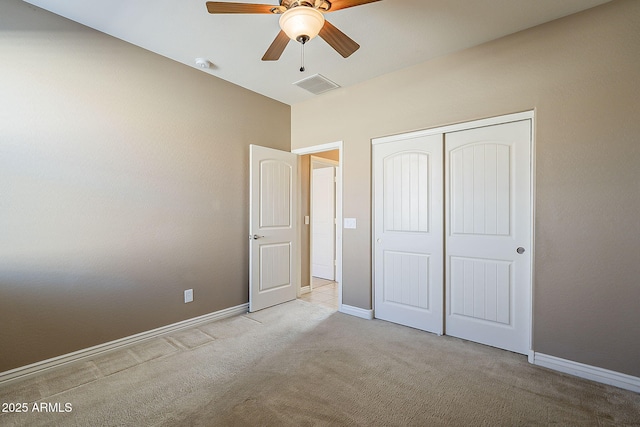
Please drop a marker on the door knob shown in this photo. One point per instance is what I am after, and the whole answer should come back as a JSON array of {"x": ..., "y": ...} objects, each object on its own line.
[
  {"x": 256, "y": 237},
  {"x": 520, "y": 250}
]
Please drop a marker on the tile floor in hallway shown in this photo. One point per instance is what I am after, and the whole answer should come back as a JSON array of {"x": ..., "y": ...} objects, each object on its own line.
[{"x": 324, "y": 293}]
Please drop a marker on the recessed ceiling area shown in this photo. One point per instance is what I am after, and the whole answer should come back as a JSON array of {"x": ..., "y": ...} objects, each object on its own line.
[{"x": 393, "y": 34}]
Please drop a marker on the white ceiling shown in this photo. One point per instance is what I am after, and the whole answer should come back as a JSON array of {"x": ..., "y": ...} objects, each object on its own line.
[{"x": 393, "y": 34}]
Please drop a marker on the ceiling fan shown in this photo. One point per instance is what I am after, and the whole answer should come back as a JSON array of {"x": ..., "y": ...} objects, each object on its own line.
[{"x": 300, "y": 20}]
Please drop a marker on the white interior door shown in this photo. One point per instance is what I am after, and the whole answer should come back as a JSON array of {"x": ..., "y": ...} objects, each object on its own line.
[
  {"x": 323, "y": 215},
  {"x": 408, "y": 232},
  {"x": 273, "y": 227},
  {"x": 488, "y": 235}
]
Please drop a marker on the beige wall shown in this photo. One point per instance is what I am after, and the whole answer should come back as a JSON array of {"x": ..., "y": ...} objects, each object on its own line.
[
  {"x": 581, "y": 75},
  {"x": 304, "y": 165},
  {"x": 123, "y": 182}
]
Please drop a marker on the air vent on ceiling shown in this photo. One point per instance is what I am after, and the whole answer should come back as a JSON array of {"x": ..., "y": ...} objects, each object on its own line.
[{"x": 317, "y": 84}]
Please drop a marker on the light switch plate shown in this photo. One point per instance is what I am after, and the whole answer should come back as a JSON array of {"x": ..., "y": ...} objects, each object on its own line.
[
  {"x": 188, "y": 295},
  {"x": 349, "y": 223}
]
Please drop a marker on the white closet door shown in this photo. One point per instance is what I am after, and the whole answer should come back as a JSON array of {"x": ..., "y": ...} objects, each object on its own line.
[
  {"x": 408, "y": 232},
  {"x": 488, "y": 235}
]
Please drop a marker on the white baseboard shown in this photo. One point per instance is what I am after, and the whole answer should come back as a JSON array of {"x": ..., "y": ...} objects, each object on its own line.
[
  {"x": 305, "y": 289},
  {"x": 39, "y": 367},
  {"x": 356, "y": 311},
  {"x": 593, "y": 373}
]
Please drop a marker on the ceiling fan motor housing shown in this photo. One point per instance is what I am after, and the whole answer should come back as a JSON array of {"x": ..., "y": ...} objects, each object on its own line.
[
  {"x": 322, "y": 5},
  {"x": 302, "y": 23}
]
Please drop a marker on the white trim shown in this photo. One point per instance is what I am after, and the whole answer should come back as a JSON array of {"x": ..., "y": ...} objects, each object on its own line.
[
  {"x": 318, "y": 148},
  {"x": 532, "y": 251},
  {"x": 457, "y": 127},
  {"x": 39, "y": 367},
  {"x": 305, "y": 289},
  {"x": 338, "y": 145},
  {"x": 339, "y": 216},
  {"x": 593, "y": 373},
  {"x": 356, "y": 311}
]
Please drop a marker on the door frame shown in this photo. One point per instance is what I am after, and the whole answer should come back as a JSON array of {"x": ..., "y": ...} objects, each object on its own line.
[
  {"x": 490, "y": 121},
  {"x": 328, "y": 163},
  {"x": 338, "y": 145}
]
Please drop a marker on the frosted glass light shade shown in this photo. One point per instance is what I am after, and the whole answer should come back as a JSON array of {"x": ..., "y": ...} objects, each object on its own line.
[{"x": 301, "y": 21}]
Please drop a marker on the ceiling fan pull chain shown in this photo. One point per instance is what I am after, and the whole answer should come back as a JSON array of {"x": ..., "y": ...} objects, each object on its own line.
[{"x": 302, "y": 56}]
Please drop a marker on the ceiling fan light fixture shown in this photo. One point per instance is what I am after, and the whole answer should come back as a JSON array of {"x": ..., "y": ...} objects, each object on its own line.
[{"x": 301, "y": 23}]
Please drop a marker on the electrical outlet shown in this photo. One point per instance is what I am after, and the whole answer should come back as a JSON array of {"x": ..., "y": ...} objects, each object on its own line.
[{"x": 188, "y": 295}]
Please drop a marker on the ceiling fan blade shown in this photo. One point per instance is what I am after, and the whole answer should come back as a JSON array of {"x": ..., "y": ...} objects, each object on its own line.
[
  {"x": 343, "y": 4},
  {"x": 225, "y": 7},
  {"x": 338, "y": 40},
  {"x": 277, "y": 47}
]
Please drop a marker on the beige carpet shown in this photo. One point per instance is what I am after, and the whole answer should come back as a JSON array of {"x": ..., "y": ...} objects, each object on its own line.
[{"x": 303, "y": 365}]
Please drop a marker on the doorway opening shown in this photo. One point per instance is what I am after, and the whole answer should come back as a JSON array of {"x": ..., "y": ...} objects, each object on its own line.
[{"x": 320, "y": 208}]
